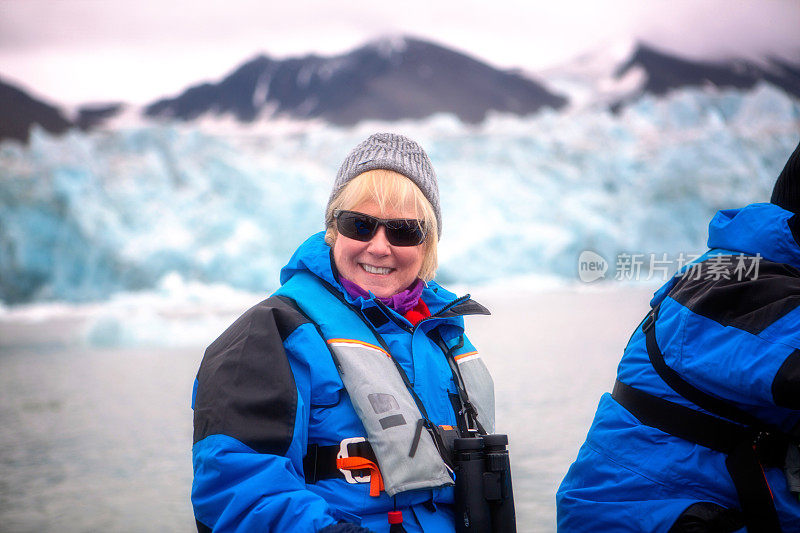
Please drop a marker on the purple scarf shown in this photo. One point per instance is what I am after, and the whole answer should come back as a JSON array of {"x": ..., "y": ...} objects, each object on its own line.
[{"x": 402, "y": 302}]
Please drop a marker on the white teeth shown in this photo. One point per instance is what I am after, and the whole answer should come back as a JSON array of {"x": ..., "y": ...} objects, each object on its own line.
[{"x": 375, "y": 270}]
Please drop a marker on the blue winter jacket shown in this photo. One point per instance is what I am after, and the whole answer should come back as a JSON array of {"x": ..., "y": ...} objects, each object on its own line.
[
  {"x": 268, "y": 387},
  {"x": 737, "y": 340}
]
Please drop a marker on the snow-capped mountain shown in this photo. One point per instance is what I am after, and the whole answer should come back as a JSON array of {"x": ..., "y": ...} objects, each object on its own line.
[
  {"x": 390, "y": 79},
  {"x": 619, "y": 74},
  {"x": 405, "y": 78},
  {"x": 588, "y": 80}
]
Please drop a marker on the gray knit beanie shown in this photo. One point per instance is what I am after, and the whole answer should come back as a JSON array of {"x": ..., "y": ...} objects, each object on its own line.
[{"x": 391, "y": 152}]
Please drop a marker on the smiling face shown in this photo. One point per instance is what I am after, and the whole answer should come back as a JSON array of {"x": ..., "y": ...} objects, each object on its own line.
[{"x": 376, "y": 265}]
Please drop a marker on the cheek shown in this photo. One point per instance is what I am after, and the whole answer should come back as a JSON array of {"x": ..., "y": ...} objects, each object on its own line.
[
  {"x": 345, "y": 252},
  {"x": 412, "y": 257}
]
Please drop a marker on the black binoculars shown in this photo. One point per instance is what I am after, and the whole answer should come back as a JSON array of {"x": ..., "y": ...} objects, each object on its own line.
[{"x": 484, "y": 497}]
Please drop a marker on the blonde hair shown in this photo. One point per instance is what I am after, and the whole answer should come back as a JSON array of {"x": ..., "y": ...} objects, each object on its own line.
[{"x": 391, "y": 191}]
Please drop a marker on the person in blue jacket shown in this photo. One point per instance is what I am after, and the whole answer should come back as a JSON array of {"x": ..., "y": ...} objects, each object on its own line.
[
  {"x": 701, "y": 431},
  {"x": 274, "y": 422}
]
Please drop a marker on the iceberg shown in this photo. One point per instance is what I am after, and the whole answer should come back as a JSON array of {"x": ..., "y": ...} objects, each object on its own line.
[{"x": 86, "y": 216}]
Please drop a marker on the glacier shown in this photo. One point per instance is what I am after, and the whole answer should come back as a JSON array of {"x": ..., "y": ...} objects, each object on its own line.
[{"x": 87, "y": 217}]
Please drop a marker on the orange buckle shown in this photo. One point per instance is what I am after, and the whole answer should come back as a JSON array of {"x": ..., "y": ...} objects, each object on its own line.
[{"x": 359, "y": 463}]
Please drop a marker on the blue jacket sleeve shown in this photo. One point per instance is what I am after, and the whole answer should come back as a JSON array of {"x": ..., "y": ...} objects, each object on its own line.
[
  {"x": 735, "y": 345},
  {"x": 250, "y": 429}
]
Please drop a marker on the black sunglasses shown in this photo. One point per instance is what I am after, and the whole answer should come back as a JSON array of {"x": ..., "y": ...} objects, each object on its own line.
[{"x": 361, "y": 227}]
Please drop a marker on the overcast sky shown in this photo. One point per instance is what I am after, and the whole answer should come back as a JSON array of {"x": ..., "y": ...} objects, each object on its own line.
[{"x": 76, "y": 51}]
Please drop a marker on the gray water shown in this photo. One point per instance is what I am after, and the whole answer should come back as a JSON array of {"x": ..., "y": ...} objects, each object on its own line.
[
  {"x": 96, "y": 440},
  {"x": 100, "y": 440}
]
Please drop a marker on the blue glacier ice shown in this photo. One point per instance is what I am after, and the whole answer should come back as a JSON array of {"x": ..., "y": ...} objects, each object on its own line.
[{"x": 86, "y": 216}]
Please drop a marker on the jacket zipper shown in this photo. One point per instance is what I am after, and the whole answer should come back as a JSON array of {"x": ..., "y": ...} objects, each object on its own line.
[{"x": 389, "y": 314}]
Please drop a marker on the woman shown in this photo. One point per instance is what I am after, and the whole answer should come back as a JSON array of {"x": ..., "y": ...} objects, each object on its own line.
[{"x": 328, "y": 404}]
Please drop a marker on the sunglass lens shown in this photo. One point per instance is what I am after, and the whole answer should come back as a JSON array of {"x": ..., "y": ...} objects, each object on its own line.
[
  {"x": 404, "y": 233},
  {"x": 356, "y": 226}
]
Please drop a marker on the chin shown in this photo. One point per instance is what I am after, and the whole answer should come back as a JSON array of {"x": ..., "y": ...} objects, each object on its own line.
[{"x": 380, "y": 292}]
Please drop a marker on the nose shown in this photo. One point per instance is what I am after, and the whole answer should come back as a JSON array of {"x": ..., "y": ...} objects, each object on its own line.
[{"x": 379, "y": 244}]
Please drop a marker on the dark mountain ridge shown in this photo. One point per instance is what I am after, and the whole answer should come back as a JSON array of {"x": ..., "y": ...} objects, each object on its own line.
[
  {"x": 19, "y": 111},
  {"x": 665, "y": 72},
  {"x": 386, "y": 80}
]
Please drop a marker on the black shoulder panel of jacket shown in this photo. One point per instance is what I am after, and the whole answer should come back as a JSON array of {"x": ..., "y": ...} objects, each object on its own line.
[
  {"x": 786, "y": 385},
  {"x": 750, "y": 302},
  {"x": 246, "y": 388}
]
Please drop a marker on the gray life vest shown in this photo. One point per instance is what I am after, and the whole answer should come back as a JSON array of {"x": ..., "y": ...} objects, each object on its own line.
[{"x": 409, "y": 458}]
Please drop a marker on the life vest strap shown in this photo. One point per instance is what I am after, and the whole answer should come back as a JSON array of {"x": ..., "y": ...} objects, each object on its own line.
[
  {"x": 680, "y": 421},
  {"x": 467, "y": 412}
]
